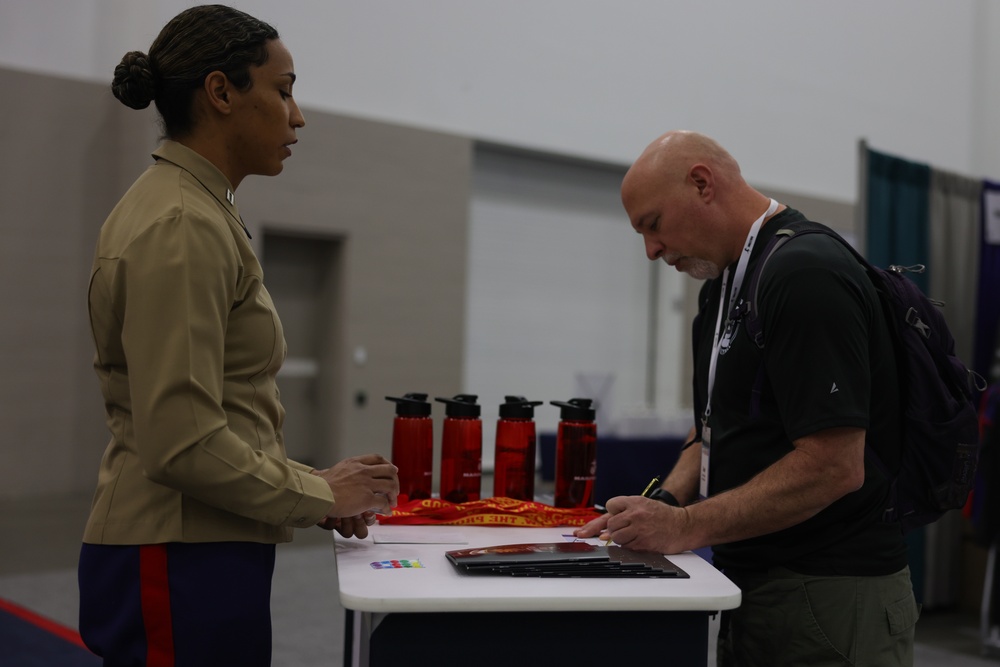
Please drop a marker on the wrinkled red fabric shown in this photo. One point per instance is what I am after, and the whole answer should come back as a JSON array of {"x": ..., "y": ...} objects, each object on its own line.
[{"x": 487, "y": 512}]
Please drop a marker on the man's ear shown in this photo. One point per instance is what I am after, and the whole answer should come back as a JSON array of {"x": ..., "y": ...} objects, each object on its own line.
[
  {"x": 217, "y": 89},
  {"x": 702, "y": 177}
]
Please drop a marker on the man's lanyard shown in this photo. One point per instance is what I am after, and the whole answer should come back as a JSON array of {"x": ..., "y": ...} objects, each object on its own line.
[{"x": 724, "y": 307}]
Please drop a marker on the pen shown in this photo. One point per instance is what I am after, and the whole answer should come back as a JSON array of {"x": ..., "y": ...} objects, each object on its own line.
[
  {"x": 650, "y": 487},
  {"x": 644, "y": 494}
]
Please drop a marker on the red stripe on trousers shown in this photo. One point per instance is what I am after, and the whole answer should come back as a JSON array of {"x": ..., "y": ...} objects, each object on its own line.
[{"x": 155, "y": 595}]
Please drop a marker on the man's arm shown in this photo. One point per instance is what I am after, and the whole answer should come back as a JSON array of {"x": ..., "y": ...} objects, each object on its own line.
[
  {"x": 822, "y": 468},
  {"x": 682, "y": 482}
]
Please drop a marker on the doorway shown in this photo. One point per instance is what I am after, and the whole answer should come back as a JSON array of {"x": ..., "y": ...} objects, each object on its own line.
[{"x": 303, "y": 274}]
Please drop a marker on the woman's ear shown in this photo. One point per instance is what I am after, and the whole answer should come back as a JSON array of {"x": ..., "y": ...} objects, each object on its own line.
[{"x": 217, "y": 89}]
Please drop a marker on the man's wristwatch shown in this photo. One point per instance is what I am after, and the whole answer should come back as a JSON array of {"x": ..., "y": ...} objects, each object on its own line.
[{"x": 664, "y": 497}]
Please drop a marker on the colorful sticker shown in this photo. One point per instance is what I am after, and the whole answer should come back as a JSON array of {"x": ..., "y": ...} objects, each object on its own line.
[{"x": 396, "y": 564}]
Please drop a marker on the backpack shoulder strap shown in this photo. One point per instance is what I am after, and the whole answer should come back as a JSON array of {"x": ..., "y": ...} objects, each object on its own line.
[{"x": 747, "y": 308}]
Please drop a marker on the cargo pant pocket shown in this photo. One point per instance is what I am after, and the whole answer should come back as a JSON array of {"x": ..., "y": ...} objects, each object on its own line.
[{"x": 902, "y": 615}]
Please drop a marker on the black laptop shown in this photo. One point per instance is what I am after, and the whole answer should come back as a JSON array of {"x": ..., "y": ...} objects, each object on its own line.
[{"x": 563, "y": 559}]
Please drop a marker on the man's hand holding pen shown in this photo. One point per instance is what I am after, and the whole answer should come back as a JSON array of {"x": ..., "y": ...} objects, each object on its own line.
[
  {"x": 651, "y": 521},
  {"x": 643, "y": 524}
]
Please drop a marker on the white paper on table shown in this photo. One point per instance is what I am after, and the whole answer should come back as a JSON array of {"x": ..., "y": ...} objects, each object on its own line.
[
  {"x": 596, "y": 541},
  {"x": 417, "y": 535}
]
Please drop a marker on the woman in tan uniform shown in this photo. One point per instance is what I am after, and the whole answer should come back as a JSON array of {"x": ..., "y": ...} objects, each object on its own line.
[{"x": 194, "y": 488}]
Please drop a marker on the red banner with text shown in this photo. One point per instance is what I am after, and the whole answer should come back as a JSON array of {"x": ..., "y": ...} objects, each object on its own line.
[{"x": 487, "y": 512}]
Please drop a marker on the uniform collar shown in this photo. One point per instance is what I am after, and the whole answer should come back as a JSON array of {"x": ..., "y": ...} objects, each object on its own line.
[{"x": 205, "y": 173}]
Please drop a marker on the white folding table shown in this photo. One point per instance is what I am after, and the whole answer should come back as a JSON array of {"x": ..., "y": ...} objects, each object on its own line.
[{"x": 436, "y": 608}]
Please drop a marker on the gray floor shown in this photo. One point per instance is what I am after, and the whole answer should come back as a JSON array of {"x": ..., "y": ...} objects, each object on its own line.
[{"x": 41, "y": 543}]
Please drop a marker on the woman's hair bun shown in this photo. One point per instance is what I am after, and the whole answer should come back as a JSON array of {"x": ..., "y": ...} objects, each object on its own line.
[{"x": 133, "y": 83}]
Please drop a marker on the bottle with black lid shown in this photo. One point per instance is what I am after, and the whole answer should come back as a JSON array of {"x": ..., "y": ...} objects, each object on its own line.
[
  {"x": 514, "y": 460},
  {"x": 461, "y": 449},
  {"x": 576, "y": 453},
  {"x": 413, "y": 446}
]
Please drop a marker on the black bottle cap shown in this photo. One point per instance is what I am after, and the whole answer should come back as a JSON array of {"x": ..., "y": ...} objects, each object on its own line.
[
  {"x": 517, "y": 407},
  {"x": 463, "y": 405},
  {"x": 411, "y": 405},
  {"x": 577, "y": 409}
]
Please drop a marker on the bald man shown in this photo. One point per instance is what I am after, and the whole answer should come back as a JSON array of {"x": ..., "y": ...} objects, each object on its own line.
[{"x": 777, "y": 480}]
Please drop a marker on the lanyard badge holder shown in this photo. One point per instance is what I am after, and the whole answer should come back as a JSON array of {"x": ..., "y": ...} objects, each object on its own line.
[{"x": 727, "y": 332}]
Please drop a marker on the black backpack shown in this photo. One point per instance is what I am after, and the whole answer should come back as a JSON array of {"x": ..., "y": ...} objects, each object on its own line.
[{"x": 940, "y": 429}]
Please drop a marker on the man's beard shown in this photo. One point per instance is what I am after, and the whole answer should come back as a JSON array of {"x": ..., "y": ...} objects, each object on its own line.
[{"x": 699, "y": 269}]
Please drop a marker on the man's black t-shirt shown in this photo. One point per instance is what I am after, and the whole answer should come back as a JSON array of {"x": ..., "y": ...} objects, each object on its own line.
[{"x": 827, "y": 362}]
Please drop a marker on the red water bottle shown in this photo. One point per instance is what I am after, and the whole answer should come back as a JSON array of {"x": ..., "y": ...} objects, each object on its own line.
[
  {"x": 413, "y": 446},
  {"x": 514, "y": 462},
  {"x": 461, "y": 449},
  {"x": 576, "y": 453}
]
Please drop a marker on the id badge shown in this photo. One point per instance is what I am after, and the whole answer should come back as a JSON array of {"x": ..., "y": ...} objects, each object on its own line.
[{"x": 706, "y": 448}]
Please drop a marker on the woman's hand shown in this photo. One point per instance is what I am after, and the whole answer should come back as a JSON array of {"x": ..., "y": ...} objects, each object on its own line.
[
  {"x": 350, "y": 526},
  {"x": 361, "y": 484}
]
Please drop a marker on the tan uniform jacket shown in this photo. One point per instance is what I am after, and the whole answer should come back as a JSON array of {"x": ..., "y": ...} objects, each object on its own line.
[{"x": 188, "y": 346}]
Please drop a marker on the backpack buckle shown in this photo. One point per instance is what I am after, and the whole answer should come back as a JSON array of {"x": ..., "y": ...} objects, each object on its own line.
[
  {"x": 739, "y": 311},
  {"x": 912, "y": 318}
]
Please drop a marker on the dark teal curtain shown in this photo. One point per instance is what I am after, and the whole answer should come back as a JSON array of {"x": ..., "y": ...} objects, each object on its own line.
[
  {"x": 898, "y": 225},
  {"x": 897, "y": 213}
]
